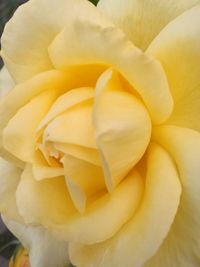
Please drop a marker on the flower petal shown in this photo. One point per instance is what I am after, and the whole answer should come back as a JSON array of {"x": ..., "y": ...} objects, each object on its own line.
[
  {"x": 90, "y": 155},
  {"x": 181, "y": 247},
  {"x": 66, "y": 101},
  {"x": 83, "y": 179},
  {"x": 44, "y": 249},
  {"x": 24, "y": 44},
  {"x": 122, "y": 128},
  {"x": 105, "y": 216},
  {"x": 140, "y": 238},
  {"x": 45, "y": 202},
  {"x": 9, "y": 179},
  {"x": 73, "y": 126},
  {"x": 178, "y": 49},
  {"x": 23, "y": 93},
  {"x": 93, "y": 43},
  {"x": 6, "y": 82},
  {"x": 142, "y": 20},
  {"x": 19, "y": 134}
]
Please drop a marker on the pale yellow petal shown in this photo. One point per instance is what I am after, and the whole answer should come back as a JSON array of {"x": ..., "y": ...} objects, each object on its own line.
[
  {"x": 20, "y": 133},
  {"x": 141, "y": 237},
  {"x": 73, "y": 126},
  {"x": 44, "y": 249},
  {"x": 81, "y": 152},
  {"x": 9, "y": 179},
  {"x": 178, "y": 49},
  {"x": 66, "y": 101},
  {"x": 181, "y": 247},
  {"x": 122, "y": 128},
  {"x": 28, "y": 34},
  {"x": 83, "y": 180},
  {"x": 106, "y": 215},
  {"x": 41, "y": 172},
  {"x": 6, "y": 82},
  {"x": 45, "y": 202},
  {"x": 23, "y": 93},
  {"x": 142, "y": 20},
  {"x": 92, "y": 43}
]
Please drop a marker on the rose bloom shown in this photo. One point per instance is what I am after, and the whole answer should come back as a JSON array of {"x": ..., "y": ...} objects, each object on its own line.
[{"x": 99, "y": 132}]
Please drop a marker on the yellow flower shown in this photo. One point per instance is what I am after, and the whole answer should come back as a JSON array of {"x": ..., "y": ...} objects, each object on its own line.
[{"x": 100, "y": 136}]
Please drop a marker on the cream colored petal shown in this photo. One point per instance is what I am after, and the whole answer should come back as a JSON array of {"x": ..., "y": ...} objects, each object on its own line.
[
  {"x": 66, "y": 101},
  {"x": 122, "y": 128},
  {"x": 74, "y": 126},
  {"x": 28, "y": 34},
  {"x": 6, "y": 82},
  {"x": 92, "y": 43},
  {"x": 142, "y": 20},
  {"x": 84, "y": 180},
  {"x": 44, "y": 202},
  {"x": 44, "y": 249},
  {"x": 178, "y": 49},
  {"x": 80, "y": 152},
  {"x": 9, "y": 179},
  {"x": 141, "y": 237},
  {"x": 23, "y": 93},
  {"x": 20, "y": 133},
  {"x": 181, "y": 247},
  {"x": 104, "y": 217},
  {"x": 41, "y": 172}
]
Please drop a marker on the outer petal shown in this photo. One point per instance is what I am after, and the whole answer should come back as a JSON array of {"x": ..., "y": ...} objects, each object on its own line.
[
  {"x": 140, "y": 238},
  {"x": 181, "y": 247},
  {"x": 178, "y": 49},
  {"x": 6, "y": 82},
  {"x": 92, "y": 43},
  {"x": 44, "y": 249},
  {"x": 27, "y": 36},
  {"x": 9, "y": 179},
  {"x": 142, "y": 20}
]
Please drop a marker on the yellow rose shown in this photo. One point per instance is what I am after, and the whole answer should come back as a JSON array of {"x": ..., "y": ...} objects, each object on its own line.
[{"x": 100, "y": 134}]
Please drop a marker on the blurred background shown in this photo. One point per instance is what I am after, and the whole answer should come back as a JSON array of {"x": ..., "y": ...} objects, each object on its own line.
[{"x": 8, "y": 242}]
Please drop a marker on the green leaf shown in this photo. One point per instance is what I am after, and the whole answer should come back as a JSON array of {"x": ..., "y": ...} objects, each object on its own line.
[{"x": 94, "y": 1}]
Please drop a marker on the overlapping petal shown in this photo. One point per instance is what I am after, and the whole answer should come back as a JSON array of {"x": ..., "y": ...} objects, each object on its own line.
[
  {"x": 117, "y": 207},
  {"x": 25, "y": 49},
  {"x": 181, "y": 247},
  {"x": 125, "y": 122},
  {"x": 44, "y": 249},
  {"x": 43, "y": 202},
  {"x": 19, "y": 135},
  {"x": 6, "y": 82},
  {"x": 142, "y": 20},
  {"x": 9, "y": 179},
  {"x": 92, "y": 43},
  {"x": 177, "y": 48},
  {"x": 139, "y": 239},
  {"x": 84, "y": 180}
]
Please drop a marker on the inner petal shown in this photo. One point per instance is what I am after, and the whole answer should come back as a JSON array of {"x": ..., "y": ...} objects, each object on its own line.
[
  {"x": 83, "y": 179},
  {"x": 19, "y": 134},
  {"x": 122, "y": 127},
  {"x": 65, "y": 102},
  {"x": 74, "y": 126}
]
